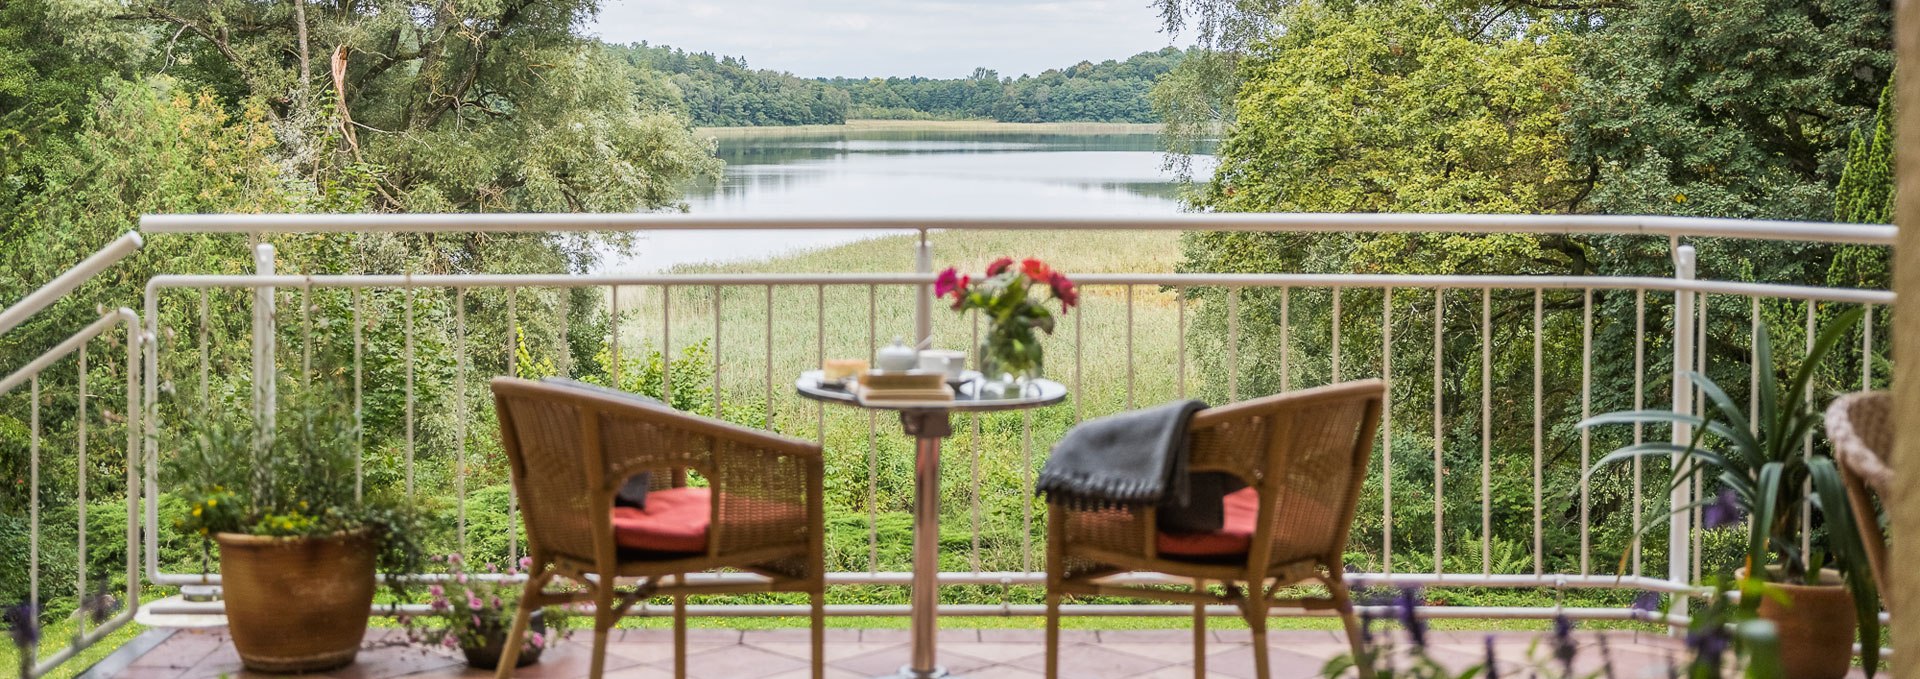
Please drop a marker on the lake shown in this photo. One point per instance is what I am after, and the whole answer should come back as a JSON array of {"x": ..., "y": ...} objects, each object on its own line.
[{"x": 876, "y": 168}]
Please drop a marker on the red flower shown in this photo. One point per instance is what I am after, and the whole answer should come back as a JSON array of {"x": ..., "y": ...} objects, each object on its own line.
[
  {"x": 1063, "y": 289},
  {"x": 960, "y": 291},
  {"x": 1037, "y": 270},
  {"x": 949, "y": 281},
  {"x": 999, "y": 265}
]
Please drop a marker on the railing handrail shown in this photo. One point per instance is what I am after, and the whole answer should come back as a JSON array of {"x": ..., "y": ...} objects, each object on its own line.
[
  {"x": 72, "y": 278},
  {"x": 1651, "y": 225},
  {"x": 1422, "y": 281}
]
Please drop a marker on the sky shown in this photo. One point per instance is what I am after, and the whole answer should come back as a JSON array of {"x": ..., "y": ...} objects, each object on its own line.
[{"x": 933, "y": 38}]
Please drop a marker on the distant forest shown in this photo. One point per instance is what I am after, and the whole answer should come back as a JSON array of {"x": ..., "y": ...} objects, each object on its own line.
[{"x": 723, "y": 90}]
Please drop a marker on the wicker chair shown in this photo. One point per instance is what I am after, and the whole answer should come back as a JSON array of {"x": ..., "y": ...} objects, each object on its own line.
[
  {"x": 571, "y": 449},
  {"x": 1303, "y": 455},
  {"x": 1860, "y": 425}
]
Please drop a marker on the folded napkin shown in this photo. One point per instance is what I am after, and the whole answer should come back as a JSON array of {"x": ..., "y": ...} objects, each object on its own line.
[{"x": 1137, "y": 458}]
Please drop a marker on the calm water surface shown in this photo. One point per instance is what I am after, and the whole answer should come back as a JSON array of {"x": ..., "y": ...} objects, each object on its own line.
[{"x": 911, "y": 172}]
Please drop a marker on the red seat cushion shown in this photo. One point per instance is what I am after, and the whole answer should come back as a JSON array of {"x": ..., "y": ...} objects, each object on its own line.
[
  {"x": 675, "y": 520},
  {"x": 1233, "y": 538}
]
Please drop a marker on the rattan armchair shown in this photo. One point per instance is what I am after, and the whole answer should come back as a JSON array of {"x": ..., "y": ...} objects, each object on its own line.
[
  {"x": 571, "y": 449},
  {"x": 1304, "y": 455},
  {"x": 1861, "y": 428}
]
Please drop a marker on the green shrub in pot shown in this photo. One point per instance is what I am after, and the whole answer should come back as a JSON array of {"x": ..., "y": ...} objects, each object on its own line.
[{"x": 298, "y": 544}]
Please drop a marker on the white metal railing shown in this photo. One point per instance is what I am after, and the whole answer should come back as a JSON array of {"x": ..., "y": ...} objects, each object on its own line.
[
  {"x": 664, "y": 293},
  {"x": 93, "y": 618},
  {"x": 670, "y": 311}
]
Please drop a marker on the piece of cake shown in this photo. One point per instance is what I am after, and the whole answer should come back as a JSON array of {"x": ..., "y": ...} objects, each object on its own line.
[{"x": 839, "y": 369}]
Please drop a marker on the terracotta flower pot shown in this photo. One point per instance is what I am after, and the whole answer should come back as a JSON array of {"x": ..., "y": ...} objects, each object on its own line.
[
  {"x": 1816, "y": 624},
  {"x": 296, "y": 604}
]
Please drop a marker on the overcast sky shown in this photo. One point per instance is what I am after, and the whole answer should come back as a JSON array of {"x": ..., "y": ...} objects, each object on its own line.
[{"x": 935, "y": 38}]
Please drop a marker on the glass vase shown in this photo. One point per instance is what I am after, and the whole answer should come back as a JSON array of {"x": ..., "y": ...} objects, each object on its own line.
[{"x": 1003, "y": 376}]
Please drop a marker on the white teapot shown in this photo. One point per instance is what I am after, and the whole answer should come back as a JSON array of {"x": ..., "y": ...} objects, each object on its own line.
[{"x": 897, "y": 356}]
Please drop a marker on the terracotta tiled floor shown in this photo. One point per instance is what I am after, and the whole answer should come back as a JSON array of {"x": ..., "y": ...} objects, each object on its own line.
[{"x": 851, "y": 653}]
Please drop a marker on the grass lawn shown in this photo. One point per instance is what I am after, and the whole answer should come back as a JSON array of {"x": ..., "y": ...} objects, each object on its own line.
[{"x": 56, "y": 636}]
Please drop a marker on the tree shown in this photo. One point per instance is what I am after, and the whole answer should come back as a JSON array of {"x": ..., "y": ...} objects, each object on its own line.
[
  {"x": 1739, "y": 108},
  {"x": 537, "y": 119}
]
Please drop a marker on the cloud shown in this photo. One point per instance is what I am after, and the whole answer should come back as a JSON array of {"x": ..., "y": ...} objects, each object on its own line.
[{"x": 935, "y": 38}]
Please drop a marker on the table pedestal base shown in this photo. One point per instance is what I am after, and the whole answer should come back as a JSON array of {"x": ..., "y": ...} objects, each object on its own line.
[{"x": 927, "y": 427}]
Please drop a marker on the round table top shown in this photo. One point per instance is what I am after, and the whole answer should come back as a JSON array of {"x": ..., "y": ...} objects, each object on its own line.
[{"x": 1040, "y": 392}]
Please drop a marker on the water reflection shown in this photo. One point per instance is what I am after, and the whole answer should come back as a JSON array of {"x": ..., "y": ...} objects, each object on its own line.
[{"x": 912, "y": 172}]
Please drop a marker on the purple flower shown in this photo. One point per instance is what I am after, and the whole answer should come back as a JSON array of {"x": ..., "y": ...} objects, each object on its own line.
[
  {"x": 23, "y": 624},
  {"x": 1724, "y": 510},
  {"x": 1709, "y": 646},
  {"x": 436, "y": 590},
  {"x": 449, "y": 641},
  {"x": 101, "y": 607},
  {"x": 1647, "y": 603},
  {"x": 1416, "y": 627},
  {"x": 1564, "y": 649},
  {"x": 1493, "y": 670}
]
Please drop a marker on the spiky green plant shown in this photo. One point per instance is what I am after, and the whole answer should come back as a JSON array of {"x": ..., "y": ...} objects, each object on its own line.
[{"x": 1765, "y": 473}]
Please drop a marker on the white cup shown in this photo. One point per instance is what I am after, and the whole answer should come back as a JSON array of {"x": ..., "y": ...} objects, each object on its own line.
[{"x": 948, "y": 361}]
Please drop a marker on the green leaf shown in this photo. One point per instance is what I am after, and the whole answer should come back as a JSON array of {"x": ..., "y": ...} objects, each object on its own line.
[
  {"x": 1844, "y": 537},
  {"x": 1737, "y": 428}
]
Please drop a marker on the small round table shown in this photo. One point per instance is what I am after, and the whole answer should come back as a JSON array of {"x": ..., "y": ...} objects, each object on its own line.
[{"x": 928, "y": 423}]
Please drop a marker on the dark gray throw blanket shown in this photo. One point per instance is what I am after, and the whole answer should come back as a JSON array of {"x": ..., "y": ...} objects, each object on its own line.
[{"x": 1137, "y": 458}]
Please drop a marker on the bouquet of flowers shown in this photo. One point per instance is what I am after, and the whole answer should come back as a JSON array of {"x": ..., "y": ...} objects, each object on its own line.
[{"x": 1011, "y": 349}]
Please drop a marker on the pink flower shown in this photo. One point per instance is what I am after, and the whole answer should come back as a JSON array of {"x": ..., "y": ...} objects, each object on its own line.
[
  {"x": 526, "y": 562},
  {"x": 473, "y": 601},
  {"x": 948, "y": 282},
  {"x": 999, "y": 265},
  {"x": 453, "y": 558},
  {"x": 496, "y": 601},
  {"x": 437, "y": 590},
  {"x": 449, "y": 641},
  {"x": 1063, "y": 289},
  {"x": 538, "y": 640},
  {"x": 492, "y": 568}
]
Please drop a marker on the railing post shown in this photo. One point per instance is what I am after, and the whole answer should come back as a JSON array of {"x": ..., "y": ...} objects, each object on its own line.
[
  {"x": 263, "y": 345},
  {"x": 1680, "y": 530},
  {"x": 923, "y": 300}
]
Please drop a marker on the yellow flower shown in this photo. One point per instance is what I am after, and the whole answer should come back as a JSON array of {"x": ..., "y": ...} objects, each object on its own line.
[
  {"x": 196, "y": 511},
  {"x": 212, "y": 502},
  {"x": 1679, "y": 198}
]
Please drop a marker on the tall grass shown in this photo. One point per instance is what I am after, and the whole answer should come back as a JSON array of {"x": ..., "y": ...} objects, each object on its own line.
[{"x": 990, "y": 462}]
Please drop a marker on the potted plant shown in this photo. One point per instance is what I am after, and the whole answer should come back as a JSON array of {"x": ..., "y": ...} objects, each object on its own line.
[
  {"x": 1011, "y": 352},
  {"x": 297, "y": 549},
  {"x": 473, "y": 612},
  {"x": 1814, "y": 597}
]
